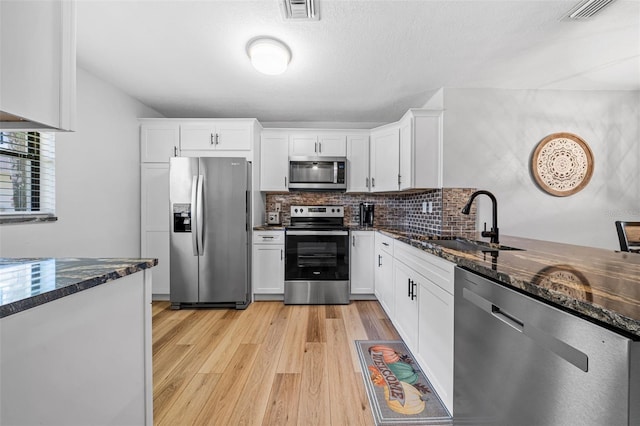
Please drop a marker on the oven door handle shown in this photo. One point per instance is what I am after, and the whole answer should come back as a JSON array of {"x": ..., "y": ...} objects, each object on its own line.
[{"x": 317, "y": 233}]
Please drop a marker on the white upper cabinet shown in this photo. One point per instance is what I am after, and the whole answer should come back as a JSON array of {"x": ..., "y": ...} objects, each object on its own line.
[
  {"x": 358, "y": 179},
  {"x": 317, "y": 145},
  {"x": 385, "y": 151},
  {"x": 274, "y": 161},
  {"x": 421, "y": 149},
  {"x": 218, "y": 135},
  {"x": 159, "y": 141},
  {"x": 38, "y": 67}
]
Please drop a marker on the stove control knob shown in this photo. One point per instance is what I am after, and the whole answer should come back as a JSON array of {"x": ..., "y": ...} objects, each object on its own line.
[
  {"x": 333, "y": 210},
  {"x": 338, "y": 210},
  {"x": 301, "y": 210},
  {"x": 296, "y": 210}
]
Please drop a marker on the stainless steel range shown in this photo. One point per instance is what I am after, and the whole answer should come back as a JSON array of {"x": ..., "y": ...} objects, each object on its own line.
[{"x": 317, "y": 256}]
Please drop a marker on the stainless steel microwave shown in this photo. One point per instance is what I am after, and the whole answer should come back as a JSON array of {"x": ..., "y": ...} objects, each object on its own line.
[{"x": 318, "y": 173}]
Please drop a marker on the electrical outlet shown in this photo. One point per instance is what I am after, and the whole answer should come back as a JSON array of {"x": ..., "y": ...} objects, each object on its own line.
[
  {"x": 424, "y": 207},
  {"x": 430, "y": 206},
  {"x": 278, "y": 207}
]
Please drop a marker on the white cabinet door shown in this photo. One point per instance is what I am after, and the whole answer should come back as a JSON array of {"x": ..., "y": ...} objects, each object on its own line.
[
  {"x": 38, "y": 67},
  {"x": 332, "y": 146},
  {"x": 406, "y": 283},
  {"x": 268, "y": 262},
  {"x": 406, "y": 179},
  {"x": 303, "y": 145},
  {"x": 156, "y": 245},
  {"x": 155, "y": 222},
  {"x": 385, "y": 153},
  {"x": 435, "y": 338},
  {"x": 216, "y": 135},
  {"x": 383, "y": 274},
  {"x": 421, "y": 150},
  {"x": 361, "y": 262},
  {"x": 159, "y": 142},
  {"x": 274, "y": 162},
  {"x": 233, "y": 136},
  {"x": 358, "y": 163},
  {"x": 314, "y": 145}
]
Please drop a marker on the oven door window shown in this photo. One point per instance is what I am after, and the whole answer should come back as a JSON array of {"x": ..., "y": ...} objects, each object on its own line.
[{"x": 317, "y": 257}]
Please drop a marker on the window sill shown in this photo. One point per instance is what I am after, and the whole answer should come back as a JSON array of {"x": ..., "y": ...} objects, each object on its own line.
[{"x": 27, "y": 219}]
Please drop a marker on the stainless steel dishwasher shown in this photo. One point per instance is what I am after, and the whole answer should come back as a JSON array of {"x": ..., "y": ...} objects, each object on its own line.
[{"x": 519, "y": 361}]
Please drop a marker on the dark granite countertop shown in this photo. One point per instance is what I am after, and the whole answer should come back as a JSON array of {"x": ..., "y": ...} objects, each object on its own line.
[
  {"x": 27, "y": 283},
  {"x": 596, "y": 284},
  {"x": 269, "y": 228}
]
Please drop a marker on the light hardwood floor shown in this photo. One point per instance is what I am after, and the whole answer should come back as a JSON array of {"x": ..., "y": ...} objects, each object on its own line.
[{"x": 271, "y": 364}]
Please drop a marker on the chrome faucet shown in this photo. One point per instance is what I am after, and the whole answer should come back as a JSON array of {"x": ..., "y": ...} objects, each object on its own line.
[{"x": 494, "y": 227}]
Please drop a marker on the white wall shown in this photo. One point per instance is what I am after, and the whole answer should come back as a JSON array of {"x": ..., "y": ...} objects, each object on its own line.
[
  {"x": 97, "y": 182},
  {"x": 490, "y": 135}
]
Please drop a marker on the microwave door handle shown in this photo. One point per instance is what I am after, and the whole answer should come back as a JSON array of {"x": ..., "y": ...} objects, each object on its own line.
[
  {"x": 200, "y": 217},
  {"x": 335, "y": 172},
  {"x": 194, "y": 217}
]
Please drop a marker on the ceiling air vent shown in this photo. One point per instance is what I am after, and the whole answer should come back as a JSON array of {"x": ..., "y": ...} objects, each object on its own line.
[
  {"x": 586, "y": 9},
  {"x": 300, "y": 10}
]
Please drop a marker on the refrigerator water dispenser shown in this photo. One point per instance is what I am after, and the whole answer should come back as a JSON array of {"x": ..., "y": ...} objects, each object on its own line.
[{"x": 181, "y": 217}]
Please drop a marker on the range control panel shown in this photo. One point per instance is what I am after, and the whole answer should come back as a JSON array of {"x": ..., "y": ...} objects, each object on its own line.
[{"x": 317, "y": 211}]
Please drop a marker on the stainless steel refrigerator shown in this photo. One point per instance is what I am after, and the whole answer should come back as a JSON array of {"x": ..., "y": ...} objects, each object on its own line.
[{"x": 210, "y": 202}]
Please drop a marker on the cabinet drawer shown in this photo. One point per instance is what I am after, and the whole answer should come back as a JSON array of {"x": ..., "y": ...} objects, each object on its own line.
[
  {"x": 384, "y": 243},
  {"x": 438, "y": 271},
  {"x": 268, "y": 237}
]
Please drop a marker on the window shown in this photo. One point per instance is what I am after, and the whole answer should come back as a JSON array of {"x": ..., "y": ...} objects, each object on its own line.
[{"x": 27, "y": 176}]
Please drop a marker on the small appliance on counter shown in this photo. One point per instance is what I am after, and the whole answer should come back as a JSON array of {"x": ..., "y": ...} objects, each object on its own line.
[
  {"x": 366, "y": 214},
  {"x": 273, "y": 218}
]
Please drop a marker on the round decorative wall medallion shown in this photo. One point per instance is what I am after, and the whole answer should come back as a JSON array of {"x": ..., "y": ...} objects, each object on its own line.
[{"x": 562, "y": 164}]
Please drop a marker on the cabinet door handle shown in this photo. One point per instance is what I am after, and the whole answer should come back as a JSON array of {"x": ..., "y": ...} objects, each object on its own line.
[
  {"x": 385, "y": 244},
  {"x": 413, "y": 290},
  {"x": 217, "y": 138},
  {"x": 367, "y": 182},
  {"x": 281, "y": 254},
  {"x": 213, "y": 139},
  {"x": 315, "y": 149},
  {"x": 285, "y": 181},
  {"x": 379, "y": 260},
  {"x": 353, "y": 238},
  {"x": 175, "y": 151},
  {"x": 399, "y": 179},
  {"x": 408, "y": 287},
  {"x": 373, "y": 182},
  {"x": 267, "y": 237},
  {"x": 320, "y": 147}
]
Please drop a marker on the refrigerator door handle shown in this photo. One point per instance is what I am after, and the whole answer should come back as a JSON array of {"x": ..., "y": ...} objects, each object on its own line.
[
  {"x": 194, "y": 221},
  {"x": 200, "y": 216}
]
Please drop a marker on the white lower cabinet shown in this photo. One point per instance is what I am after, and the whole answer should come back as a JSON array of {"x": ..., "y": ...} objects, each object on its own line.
[
  {"x": 383, "y": 275},
  {"x": 406, "y": 298},
  {"x": 422, "y": 287},
  {"x": 361, "y": 262},
  {"x": 268, "y": 262}
]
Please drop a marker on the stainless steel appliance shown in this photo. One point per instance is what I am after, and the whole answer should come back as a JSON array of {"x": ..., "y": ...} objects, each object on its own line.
[
  {"x": 317, "y": 256},
  {"x": 366, "y": 214},
  {"x": 518, "y": 361},
  {"x": 318, "y": 173},
  {"x": 209, "y": 240}
]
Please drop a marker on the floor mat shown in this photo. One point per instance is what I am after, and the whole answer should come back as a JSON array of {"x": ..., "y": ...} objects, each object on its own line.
[{"x": 398, "y": 390}]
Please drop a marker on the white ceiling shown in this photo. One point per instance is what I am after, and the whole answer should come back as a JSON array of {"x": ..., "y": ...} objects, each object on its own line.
[{"x": 363, "y": 61}]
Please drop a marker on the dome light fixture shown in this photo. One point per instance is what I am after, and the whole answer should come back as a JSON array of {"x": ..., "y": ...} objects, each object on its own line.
[{"x": 268, "y": 55}]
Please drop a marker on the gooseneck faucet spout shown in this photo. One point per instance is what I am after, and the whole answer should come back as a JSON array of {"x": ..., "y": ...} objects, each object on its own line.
[{"x": 494, "y": 227}]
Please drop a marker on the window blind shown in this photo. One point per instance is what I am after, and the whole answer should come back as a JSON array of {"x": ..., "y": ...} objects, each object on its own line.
[{"x": 27, "y": 174}]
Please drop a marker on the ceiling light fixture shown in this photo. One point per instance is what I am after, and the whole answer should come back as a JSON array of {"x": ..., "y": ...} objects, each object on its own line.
[{"x": 268, "y": 55}]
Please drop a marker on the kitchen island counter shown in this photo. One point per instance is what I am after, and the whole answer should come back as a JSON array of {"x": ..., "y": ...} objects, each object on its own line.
[
  {"x": 75, "y": 341},
  {"x": 597, "y": 284},
  {"x": 29, "y": 282}
]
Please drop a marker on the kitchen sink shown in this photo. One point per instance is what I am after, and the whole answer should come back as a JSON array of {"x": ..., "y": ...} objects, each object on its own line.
[{"x": 460, "y": 244}]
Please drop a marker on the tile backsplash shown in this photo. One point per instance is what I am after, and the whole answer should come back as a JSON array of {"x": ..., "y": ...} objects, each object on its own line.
[{"x": 398, "y": 210}]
